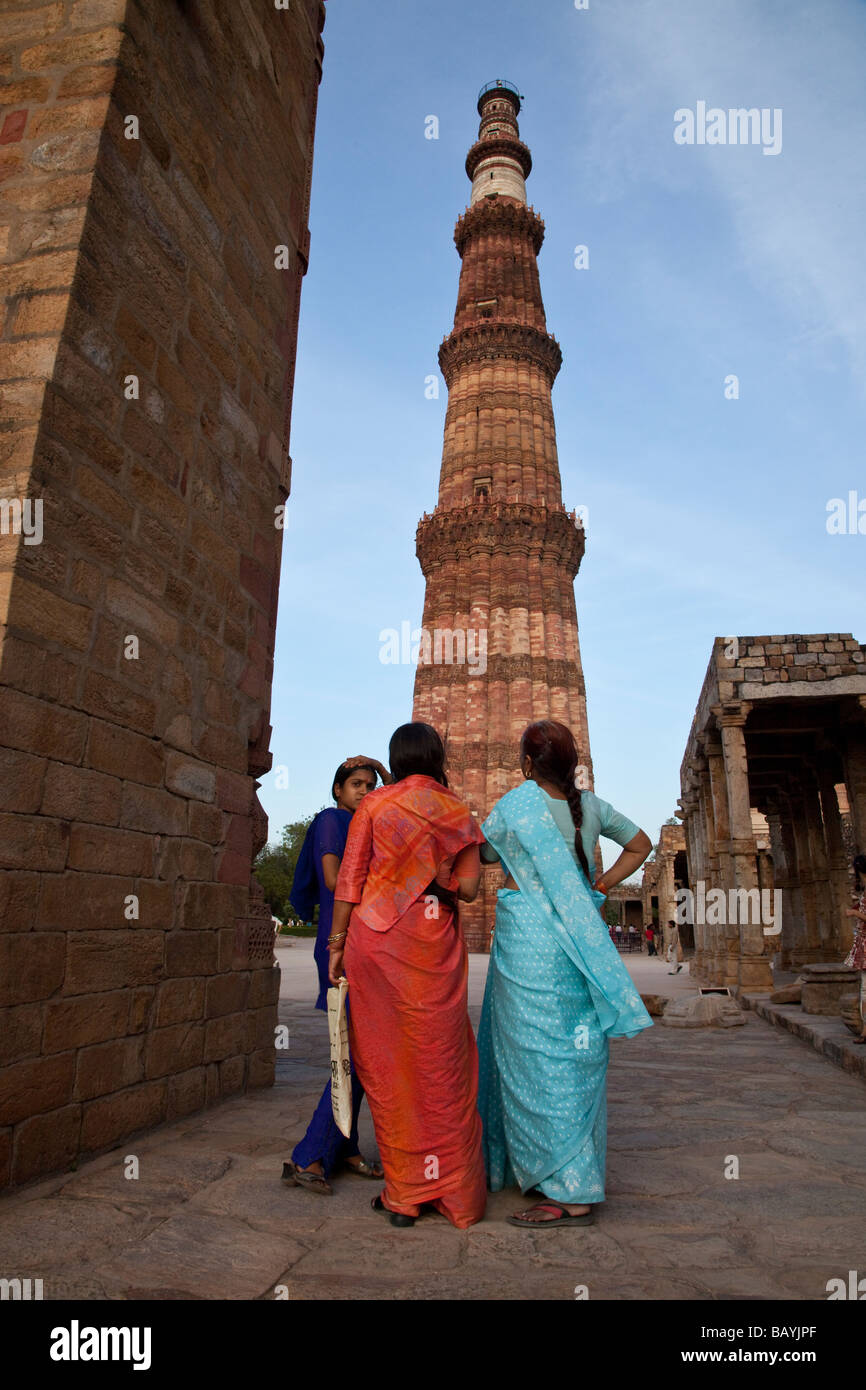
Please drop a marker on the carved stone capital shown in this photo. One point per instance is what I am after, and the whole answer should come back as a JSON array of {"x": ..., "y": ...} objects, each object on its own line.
[{"x": 732, "y": 714}]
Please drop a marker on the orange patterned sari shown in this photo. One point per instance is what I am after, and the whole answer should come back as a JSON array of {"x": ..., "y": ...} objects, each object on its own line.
[{"x": 405, "y": 960}]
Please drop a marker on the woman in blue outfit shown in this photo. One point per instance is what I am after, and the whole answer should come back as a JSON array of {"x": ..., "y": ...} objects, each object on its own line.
[
  {"x": 323, "y": 1147},
  {"x": 556, "y": 987}
]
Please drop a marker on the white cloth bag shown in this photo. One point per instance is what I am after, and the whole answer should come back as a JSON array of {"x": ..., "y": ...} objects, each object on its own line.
[{"x": 341, "y": 1075}]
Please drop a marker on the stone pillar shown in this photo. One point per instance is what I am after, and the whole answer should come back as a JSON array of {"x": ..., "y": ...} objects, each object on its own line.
[
  {"x": 781, "y": 877},
  {"x": 727, "y": 937},
  {"x": 718, "y": 791},
  {"x": 793, "y": 911},
  {"x": 713, "y": 955},
  {"x": 714, "y": 943},
  {"x": 837, "y": 865},
  {"x": 699, "y": 868},
  {"x": 854, "y": 759},
  {"x": 699, "y": 965},
  {"x": 721, "y": 953},
  {"x": 807, "y": 944},
  {"x": 820, "y": 869},
  {"x": 666, "y": 895},
  {"x": 754, "y": 971},
  {"x": 715, "y": 952},
  {"x": 710, "y": 827}
]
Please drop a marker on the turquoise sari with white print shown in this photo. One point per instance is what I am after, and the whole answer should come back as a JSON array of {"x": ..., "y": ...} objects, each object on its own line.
[{"x": 556, "y": 992}]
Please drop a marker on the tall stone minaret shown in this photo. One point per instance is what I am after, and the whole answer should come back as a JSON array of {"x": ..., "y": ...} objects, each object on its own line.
[{"x": 500, "y": 552}]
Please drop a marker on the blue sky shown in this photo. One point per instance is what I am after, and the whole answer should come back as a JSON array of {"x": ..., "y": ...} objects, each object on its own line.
[{"x": 706, "y": 516}]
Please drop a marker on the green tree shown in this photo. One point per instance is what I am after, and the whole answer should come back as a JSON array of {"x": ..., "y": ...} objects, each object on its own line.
[{"x": 275, "y": 868}]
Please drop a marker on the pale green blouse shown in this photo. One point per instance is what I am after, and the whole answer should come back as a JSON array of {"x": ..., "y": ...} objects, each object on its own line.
[{"x": 599, "y": 818}]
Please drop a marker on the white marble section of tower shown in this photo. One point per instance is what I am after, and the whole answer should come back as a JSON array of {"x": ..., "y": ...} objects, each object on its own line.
[{"x": 498, "y": 171}]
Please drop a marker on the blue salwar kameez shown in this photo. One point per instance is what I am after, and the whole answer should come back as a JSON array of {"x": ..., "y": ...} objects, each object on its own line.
[
  {"x": 556, "y": 992},
  {"x": 323, "y": 1142}
]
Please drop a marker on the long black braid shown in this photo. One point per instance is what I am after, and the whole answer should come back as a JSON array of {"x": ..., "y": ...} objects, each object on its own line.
[
  {"x": 575, "y": 806},
  {"x": 554, "y": 756}
]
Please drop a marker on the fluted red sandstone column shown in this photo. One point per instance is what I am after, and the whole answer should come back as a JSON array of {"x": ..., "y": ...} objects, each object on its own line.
[{"x": 499, "y": 553}]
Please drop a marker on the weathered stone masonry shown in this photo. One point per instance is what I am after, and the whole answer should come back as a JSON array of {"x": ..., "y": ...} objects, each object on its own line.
[
  {"x": 780, "y": 729},
  {"x": 128, "y": 785}
]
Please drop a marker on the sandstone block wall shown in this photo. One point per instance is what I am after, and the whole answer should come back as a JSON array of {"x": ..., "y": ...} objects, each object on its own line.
[
  {"x": 788, "y": 659},
  {"x": 153, "y": 157}
]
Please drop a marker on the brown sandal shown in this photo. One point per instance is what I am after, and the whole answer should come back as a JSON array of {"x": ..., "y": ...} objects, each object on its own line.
[{"x": 313, "y": 1182}]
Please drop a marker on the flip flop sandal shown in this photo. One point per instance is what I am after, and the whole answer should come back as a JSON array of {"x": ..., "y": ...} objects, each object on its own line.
[
  {"x": 395, "y": 1217},
  {"x": 366, "y": 1170},
  {"x": 313, "y": 1182},
  {"x": 564, "y": 1218}
]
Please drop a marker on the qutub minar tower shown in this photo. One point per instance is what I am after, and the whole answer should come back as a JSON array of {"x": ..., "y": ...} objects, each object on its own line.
[{"x": 500, "y": 552}]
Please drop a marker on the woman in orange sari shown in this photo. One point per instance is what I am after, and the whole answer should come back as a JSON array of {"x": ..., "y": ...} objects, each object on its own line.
[{"x": 411, "y": 852}]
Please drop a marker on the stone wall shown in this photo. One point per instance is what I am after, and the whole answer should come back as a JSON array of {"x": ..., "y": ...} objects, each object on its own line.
[
  {"x": 791, "y": 659},
  {"x": 153, "y": 158}
]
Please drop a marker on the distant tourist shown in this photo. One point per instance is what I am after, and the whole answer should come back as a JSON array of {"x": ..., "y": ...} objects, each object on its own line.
[
  {"x": 674, "y": 949},
  {"x": 856, "y": 957},
  {"x": 650, "y": 939},
  {"x": 412, "y": 851},
  {"x": 556, "y": 987},
  {"x": 323, "y": 1147}
]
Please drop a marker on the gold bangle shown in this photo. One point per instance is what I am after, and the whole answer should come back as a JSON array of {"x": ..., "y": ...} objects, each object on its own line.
[{"x": 338, "y": 936}]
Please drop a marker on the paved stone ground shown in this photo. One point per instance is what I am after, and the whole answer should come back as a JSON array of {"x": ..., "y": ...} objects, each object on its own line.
[
  {"x": 826, "y": 1034},
  {"x": 209, "y": 1219}
]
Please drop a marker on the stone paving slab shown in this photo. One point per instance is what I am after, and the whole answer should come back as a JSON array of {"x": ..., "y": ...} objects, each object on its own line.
[{"x": 208, "y": 1217}]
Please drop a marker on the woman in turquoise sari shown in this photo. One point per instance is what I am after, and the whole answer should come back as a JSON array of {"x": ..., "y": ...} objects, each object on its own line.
[{"x": 557, "y": 989}]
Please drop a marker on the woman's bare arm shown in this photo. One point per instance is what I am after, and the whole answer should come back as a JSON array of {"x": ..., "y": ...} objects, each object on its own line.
[
  {"x": 339, "y": 924},
  {"x": 468, "y": 890},
  {"x": 633, "y": 855},
  {"x": 340, "y": 919},
  {"x": 467, "y": 870}
]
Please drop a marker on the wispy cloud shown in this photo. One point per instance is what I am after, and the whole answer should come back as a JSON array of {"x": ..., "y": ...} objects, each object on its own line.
[{"x": 798, "y": 217}]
